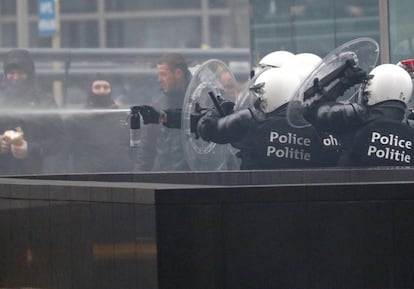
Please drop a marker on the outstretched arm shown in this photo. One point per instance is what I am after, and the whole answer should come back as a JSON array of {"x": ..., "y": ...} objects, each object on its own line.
[
  {"x": 228, "y": 129},
  {"x": 334, "y": 116}
]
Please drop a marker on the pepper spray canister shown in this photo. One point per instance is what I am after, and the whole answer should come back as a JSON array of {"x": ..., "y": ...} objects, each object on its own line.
[{"x": 134, "y": 126}]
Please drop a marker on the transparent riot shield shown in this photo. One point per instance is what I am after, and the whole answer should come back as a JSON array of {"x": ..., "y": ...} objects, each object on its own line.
[
  {"x": 363, "y": 52},
  {"x": 213, "y": 76},
  {"x": 243, "y": 101}
]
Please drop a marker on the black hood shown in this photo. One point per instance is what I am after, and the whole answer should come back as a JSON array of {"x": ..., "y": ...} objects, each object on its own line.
[
  {"x": 100, "y": 101},
  {"x": 21, "y": 59}
]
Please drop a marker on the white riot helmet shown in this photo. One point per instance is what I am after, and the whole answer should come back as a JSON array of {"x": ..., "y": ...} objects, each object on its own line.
[
  {"x": 276, "y": 58},
  {"x": 308, "y": 58},
  {"x": 388, "y": 82},
  {"x": 273, "y": 88},
  {"x": 303, "y": 64}
]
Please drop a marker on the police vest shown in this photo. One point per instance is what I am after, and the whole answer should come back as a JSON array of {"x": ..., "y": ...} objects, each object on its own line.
[
  {"x": 383, "y": 143},
  {"x": 332, "y": 149},
  {"x": 278, "y": 145}
]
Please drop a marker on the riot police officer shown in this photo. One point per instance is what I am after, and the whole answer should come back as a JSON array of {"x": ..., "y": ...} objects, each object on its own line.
[
  {"x": 372, "y": 131},
  {"x": 262, "y": 133}
]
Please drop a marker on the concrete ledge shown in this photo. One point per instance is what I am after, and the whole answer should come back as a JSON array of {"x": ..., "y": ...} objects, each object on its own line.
[{"x": 246, "y": 178}]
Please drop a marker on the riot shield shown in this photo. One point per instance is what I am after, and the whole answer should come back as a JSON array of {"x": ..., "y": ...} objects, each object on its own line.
[
  {"x": 213, "y": 76},
  {"x": 363, "y": 52}
]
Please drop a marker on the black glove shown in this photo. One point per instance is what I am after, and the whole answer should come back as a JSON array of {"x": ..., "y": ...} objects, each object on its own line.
[
  {"x": 149, "y": 114},
  {"x": 227, "y": 107},
  {"x": 207, "y": 126},
  {"x": 221, "y": 108},
  {"x": 202, "y": 120},
  {"x": 171, "y": 118},
  {"x": 352, "y": 76},
  {"x": 335, "y": 83}
]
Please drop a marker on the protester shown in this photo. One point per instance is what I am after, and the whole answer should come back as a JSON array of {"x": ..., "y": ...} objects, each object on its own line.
[
  {"x": 161, "y": 148},
  {"x": 19, "y": 88},
  {"x": 100, "y": 133},
  {"x": 40, "y": 133}
]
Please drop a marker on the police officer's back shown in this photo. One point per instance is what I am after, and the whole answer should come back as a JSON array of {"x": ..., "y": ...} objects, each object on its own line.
[
  {"x": 372, "y": 131},
  {"x": 263, "y": 135}
]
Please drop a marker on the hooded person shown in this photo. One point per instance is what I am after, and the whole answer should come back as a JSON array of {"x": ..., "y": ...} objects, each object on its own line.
[
  {"x": 100, "y": 133},
  {"x": 100, "y": 93},
  {"x": 40, "y": 133},
  {"x": 19, "y": 87}
]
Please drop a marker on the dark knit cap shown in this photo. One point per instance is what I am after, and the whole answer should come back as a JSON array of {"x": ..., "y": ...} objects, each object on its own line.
[
  {"x": 101, "y": 76},
  {"x": 20, "y": 59}
]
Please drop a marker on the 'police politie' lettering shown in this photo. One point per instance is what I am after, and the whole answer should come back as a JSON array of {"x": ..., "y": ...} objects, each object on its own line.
[
  {"x": 390, "y": 147},
  {"x": 288, "y": 146}
]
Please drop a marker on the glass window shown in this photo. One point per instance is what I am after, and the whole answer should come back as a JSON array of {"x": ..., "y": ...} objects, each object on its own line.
[
  {"x": 226, "y": 32},
  {"x": 218, "y": 3},
  {"x": 79, "y": 34},
  {"x": 68, "y": 6},
  {"x": 315, "y": 26},
  {"x": 220, "y": 35},
  {"x": 132, "y": 5},
  {"x": 230, "y": 30},
  {"x": 401, "y": 30},
  {"x": 8, "y": 33},
  {"x": 33, "y": 7},
  {"x": 155, "y": 32},
  {"x": 8, "y": 7},
  {"x": 78, "y": 6},
  {"x": 35, "y": 40}
]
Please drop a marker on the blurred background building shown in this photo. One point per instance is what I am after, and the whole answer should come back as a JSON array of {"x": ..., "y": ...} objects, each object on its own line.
[
  {"x": 315, "y": 26},
  {"x": 239, "y": 32},
  {"x": 127, "y": 24},
  {"x": 131, "y": 23}
]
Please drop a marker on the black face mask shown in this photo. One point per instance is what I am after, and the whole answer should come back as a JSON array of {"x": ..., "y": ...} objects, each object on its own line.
[
  {"x": 19, "y": 92},
  {"x": 100, "y": 101}
]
